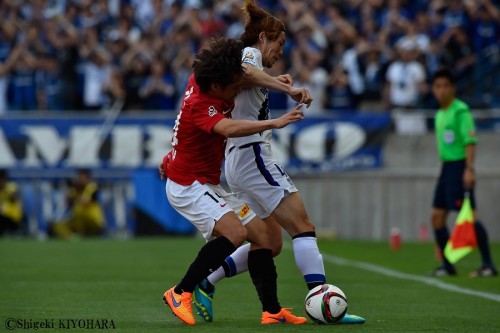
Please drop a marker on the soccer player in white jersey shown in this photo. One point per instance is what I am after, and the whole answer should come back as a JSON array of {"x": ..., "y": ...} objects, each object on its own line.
[
  {"x": 193, "y": 169},
  {"x": 257, "y": 179}
]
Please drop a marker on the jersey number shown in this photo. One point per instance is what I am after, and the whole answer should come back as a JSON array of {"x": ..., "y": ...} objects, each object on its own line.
[{"x": 211, "y": 196}]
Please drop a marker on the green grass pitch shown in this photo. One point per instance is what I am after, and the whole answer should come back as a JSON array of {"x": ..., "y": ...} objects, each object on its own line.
[{"x": 124, "y": 281}]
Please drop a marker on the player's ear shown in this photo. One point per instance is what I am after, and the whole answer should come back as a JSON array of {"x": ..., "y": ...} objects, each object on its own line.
[{"x": 262, "y": 37}]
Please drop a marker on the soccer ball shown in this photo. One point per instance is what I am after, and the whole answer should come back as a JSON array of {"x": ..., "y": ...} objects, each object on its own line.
[{"x": 326, "y": 304}]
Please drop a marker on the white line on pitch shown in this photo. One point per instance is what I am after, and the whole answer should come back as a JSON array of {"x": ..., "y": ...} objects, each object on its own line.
[
  {"x": 393, "y": 273},
  {"x": 426, "y": 280}
]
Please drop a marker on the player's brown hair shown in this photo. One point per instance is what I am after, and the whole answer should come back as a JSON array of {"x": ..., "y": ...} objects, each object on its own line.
[
  {"x": 258, "y": 20},
  {"x": 219, "y": 63}
]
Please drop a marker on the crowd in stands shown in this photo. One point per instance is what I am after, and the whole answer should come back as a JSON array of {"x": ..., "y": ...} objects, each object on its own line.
[{"x": 86, "y": 54}]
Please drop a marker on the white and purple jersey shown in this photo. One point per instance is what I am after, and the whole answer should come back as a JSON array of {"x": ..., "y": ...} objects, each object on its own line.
[{"x": 252, "y": 103}]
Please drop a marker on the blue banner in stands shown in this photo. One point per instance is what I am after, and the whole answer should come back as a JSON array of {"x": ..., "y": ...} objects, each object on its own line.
[{"x": 53, "y": 144}]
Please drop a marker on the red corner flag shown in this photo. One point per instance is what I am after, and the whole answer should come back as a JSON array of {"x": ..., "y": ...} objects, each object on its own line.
[{"x": 463, "y": 238}]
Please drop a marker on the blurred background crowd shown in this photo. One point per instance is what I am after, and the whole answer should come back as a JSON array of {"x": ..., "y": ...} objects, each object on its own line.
[{"x": 352, "y": 54}]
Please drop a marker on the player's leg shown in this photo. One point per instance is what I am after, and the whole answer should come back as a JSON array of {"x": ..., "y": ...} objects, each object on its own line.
[
  {"x": 234, "y": 264},
  {"x": 292, "y": 216},
  {"x": 263, "y": 273},
  {"x": 209, "y": 258},
  {"x": 211, "y": 216}
]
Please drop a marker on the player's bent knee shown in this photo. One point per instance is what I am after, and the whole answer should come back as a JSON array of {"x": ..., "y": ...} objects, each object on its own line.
[
  {"x": 237, "y": 236},
  {"x": 230, "y": 227},
  {"x": 276, "y": 248}
]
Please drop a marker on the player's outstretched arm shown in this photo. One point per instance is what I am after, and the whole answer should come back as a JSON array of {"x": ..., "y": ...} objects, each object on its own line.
[
  {"x": 257, "y": 78},
  {"x": 236, "y": 128}
]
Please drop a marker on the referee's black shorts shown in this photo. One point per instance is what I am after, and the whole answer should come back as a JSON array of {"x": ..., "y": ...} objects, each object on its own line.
[{"x": 449, "y": 191}]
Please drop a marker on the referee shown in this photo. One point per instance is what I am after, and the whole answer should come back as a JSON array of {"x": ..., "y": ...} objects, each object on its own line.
[{"x": 456, "y": 143}]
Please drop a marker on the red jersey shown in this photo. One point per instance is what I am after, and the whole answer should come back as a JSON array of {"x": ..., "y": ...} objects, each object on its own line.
[{"x": 197, "y": 153}]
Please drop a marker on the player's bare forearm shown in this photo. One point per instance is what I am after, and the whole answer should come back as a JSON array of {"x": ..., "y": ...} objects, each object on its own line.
[
  {"x": 256, "y": 78},
  {"x": 238, "y": 128}
]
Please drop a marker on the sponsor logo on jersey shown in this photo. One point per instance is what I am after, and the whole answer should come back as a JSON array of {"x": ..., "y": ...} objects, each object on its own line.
[
  {"x": 249, "y": 59},
  {"x": 248, "y": 56},
  {"x": 227, "y": 111},
  {"x": 211, "y": 111},
  {"x": 244, "y": 211}
]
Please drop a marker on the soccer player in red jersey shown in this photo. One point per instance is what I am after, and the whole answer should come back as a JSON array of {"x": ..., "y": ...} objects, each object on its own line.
[{"x": 193, "y": 186}]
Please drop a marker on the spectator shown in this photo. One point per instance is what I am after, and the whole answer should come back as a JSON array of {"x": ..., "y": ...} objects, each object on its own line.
[
  {"x": 352, "y": 66},
  {"x": 97, "y": 73},
  {"x": 307, "y": 58},
  {"x": 235, "y": 19},
  {"x": 11, "y": 211},
  {"x": 486, "y": 26},
  {"x": 413, "y": 39},
  {"x": 134, "y": 78},
  {"x": 374, "y": 66},
  {"x": 405, "y": 80},
  {"x": 48, "y": 83},
  {"x": 459, "y": 52},
  {"x": 394, "y": 21},
  {"x": 117, "y": 46},
  {"x": 7, "y": 34},
  {"x": 435, "y": 58},
  {"x": 339, "y": 95},
  {"x": 62, "y": 35},
  {"x": 23, "y": 79},
  {"x": 455, "y": 15},
  {"x": 86, "y": 217},
  {"x": 158, "y": 89}
]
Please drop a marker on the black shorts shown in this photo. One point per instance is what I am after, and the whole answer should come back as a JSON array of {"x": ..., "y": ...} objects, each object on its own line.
[{"x": 449, "y": 192}]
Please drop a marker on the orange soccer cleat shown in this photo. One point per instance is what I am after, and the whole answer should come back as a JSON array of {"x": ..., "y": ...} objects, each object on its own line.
[
  {"x": 180, "y": 305},
  {"x": 282, "y": 317}
]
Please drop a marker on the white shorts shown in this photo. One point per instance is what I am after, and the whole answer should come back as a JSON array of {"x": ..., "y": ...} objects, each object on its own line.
[
  {"x": 204, "y": 204},
  {"x": 256, "y": 178}
]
